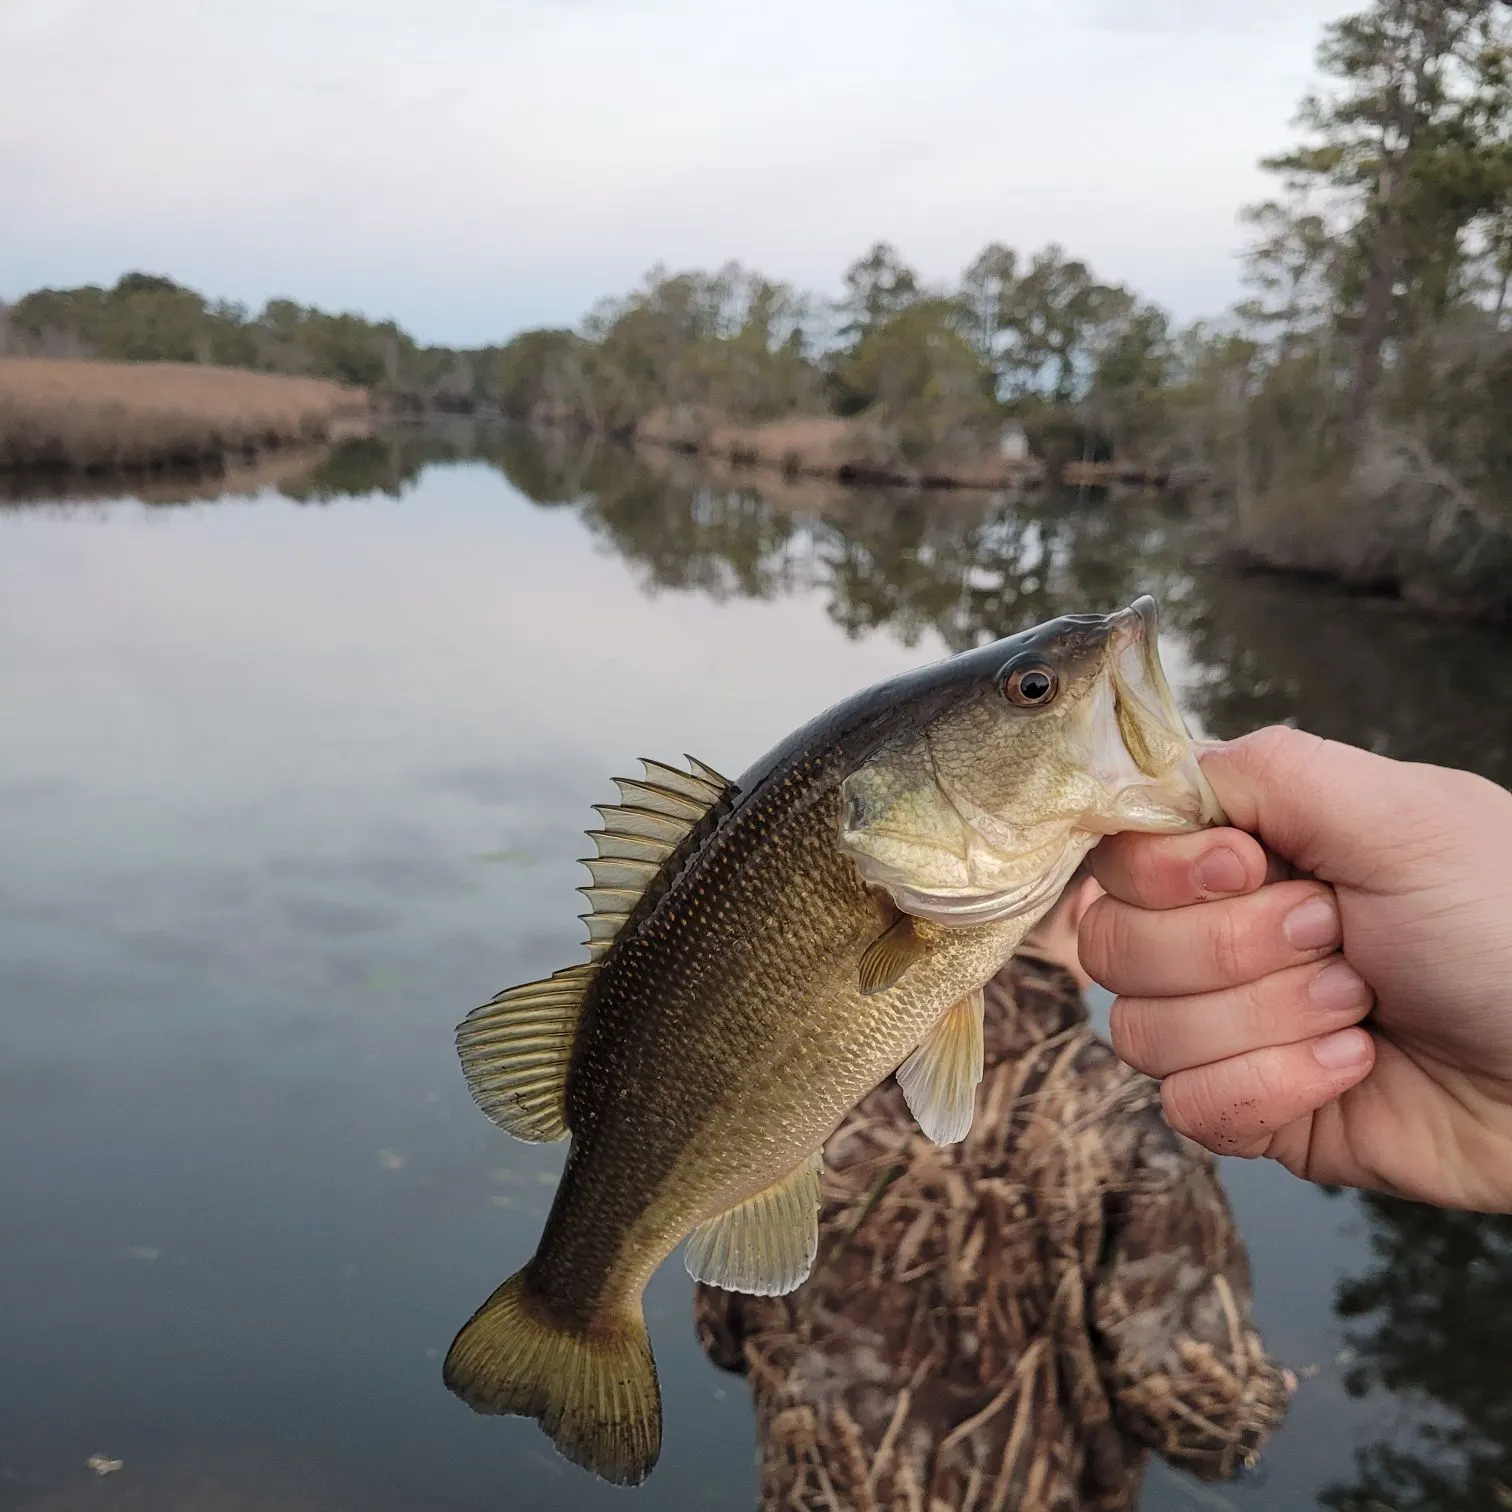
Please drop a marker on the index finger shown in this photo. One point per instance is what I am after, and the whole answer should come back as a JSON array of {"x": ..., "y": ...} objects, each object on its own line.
[{"x": 1171, "y": 871}]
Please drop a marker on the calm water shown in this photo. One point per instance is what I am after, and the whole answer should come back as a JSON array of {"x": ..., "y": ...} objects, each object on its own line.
[{"x": 289, "y": 781}]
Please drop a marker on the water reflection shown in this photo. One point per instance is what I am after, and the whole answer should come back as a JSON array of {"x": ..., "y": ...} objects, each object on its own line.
[
  {"x": 1361, "y": 671},
  {"x": 968, "y": 566},
  {"x": 391, "y": 461},
  {"x": 295, "y": 844},
  {"x": 972, "y": 567},
  {"x": 1436, "y": 1308},
  {"x": 1432, "y": 1324}
]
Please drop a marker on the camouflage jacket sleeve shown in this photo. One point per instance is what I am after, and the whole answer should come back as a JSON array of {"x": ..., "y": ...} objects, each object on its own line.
[
  {"x": 1170, "y": 1310},
  {"x": 719, "y": 1318}
]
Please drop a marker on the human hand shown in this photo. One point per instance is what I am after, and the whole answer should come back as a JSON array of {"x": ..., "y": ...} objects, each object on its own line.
[{"x": 1241, "y": 983}]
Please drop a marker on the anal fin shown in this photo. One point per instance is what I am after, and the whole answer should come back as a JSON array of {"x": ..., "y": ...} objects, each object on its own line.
[
  {"x": 766, "y": 1246},
  {"x": 939, "y": 1080}
]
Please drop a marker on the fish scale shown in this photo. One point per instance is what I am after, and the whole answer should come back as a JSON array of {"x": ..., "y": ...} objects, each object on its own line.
[{"x": 807, "y": 929}]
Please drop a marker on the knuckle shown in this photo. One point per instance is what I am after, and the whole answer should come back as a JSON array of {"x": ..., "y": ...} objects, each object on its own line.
[
  {"x": 1228, "y": 945},
  {"x": 1147, "y": 868},
  {"x": 1277, "y": 749},
  {"x": 1310, "y": 752},
  {"x": 1135, "y": 1035},
  {"x": 1275, "y": 1007},
  {"x": 1266, "y": 1087},
  {"x": 1101, "y": 941}
]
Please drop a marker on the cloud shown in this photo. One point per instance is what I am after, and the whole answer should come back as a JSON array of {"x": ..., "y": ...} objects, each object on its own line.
[
  {"x": 470, "y": 163},
  {"x": 1189, "y": 17}
]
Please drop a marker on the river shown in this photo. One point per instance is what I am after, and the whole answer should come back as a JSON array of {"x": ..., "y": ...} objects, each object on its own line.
[{"x": 292, "y": 778}]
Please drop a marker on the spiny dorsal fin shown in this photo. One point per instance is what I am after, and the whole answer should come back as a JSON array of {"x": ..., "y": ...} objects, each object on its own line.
[
  {"x": 515, "y": 1052},
  {"x": 766, "y": 1245},
  {"x": 939, "y": 1080},
  {"x": 655, "y": 815}
]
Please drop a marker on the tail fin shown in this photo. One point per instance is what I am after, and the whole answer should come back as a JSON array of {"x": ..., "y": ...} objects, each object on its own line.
[{"x": 594, "y": 1392}]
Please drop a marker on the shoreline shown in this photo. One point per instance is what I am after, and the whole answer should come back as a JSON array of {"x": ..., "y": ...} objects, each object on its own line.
[
  {"x": 795, "y": 462},
  {"x": 72, "y": 418},
  {"x": 859, "y": 452}
]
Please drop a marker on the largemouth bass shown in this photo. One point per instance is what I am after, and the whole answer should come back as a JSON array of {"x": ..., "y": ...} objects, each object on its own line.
[{"x": 764, "y": 953}]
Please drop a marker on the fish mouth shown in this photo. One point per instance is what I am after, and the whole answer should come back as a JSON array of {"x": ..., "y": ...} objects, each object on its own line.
[
  {"x": 1141, "y": 749},
  {"x": 1148, "y": 719}
]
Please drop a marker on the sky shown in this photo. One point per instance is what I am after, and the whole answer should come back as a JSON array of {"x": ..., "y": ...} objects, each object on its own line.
[{"x": 475, "y": 167}]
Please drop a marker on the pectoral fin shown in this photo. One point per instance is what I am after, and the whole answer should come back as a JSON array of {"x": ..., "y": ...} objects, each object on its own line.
[
  {"x": 766, "y": 1246},
  {"x": 939, "y": 1080},
  {"x": 891, "y": 954}
]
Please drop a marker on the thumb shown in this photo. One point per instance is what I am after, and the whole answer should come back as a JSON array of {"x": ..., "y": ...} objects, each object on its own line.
[{"x": 1321, "y": 805}]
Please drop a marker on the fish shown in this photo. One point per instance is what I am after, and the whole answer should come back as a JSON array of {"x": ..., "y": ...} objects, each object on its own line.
[{"x": 766, "y": 951}]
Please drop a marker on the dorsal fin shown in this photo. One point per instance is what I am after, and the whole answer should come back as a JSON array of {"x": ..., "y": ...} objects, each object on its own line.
[
  {"x": 655, "y": 815},
  {"x": 516, "y": 1049}
]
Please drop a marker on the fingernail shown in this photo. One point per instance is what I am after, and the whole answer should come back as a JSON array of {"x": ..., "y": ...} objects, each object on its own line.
[
  {"x": 1338, "y": 987},
  {"x": 1221, "y": 871},
  {"x": 1312, "y": 925},
  {"x": 1338, "y": 1052}
]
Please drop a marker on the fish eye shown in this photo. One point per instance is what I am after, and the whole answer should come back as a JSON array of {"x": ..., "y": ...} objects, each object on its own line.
[{"x": 1031, "y": 687}]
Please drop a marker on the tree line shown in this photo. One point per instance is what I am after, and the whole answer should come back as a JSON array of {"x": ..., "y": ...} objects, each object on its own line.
[
  {"x": 146, "y": 317},
  {"x": 1368, "y": 369},
  {"x": 1040, "y": 333}
]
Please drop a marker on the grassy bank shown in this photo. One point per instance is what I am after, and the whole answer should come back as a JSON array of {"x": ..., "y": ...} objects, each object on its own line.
[
  {"x": 861, "y": 449},
  {"x": 857, "y": 449},
  {"x": 1415, "y": 503},
  {"x": 69, "y": 416},
  {"x": 1396, "y": 527}
]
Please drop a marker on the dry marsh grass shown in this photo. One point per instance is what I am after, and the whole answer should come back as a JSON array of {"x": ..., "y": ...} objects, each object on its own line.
[
  {"x": 100, "y": 417},
  {"x": 858, "y": 449}
]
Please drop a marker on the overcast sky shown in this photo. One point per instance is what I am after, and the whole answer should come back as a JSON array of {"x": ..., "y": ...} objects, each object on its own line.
[{"x": 472, "y": 167}]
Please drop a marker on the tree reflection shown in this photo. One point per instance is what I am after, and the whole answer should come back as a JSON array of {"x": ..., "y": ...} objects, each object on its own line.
[
  {"x": 391, "y": 461},
  {"x": 1365, "y": 672},
  {"x": 970, "y": 567},
  {"x": 1432, "y": 1319},
  {"x": 725, "y": 543},
  {"x": 1434, "y": 1328}
]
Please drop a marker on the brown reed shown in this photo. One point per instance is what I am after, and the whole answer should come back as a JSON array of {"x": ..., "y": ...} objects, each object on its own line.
[{"x": 76, "y": 416}]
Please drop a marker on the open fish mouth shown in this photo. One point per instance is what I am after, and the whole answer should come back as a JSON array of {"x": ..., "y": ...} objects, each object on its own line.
[{"x": 1141, "y": 750}]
